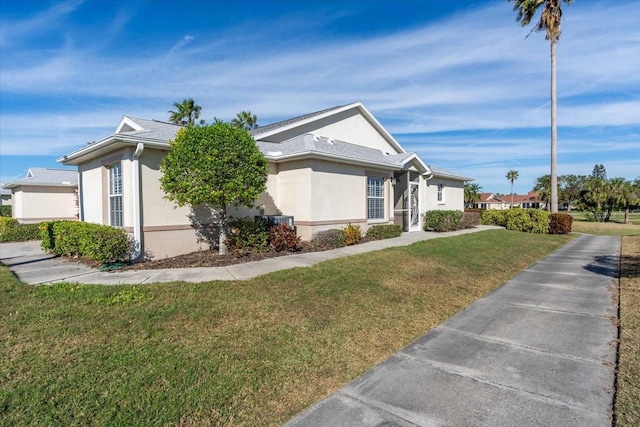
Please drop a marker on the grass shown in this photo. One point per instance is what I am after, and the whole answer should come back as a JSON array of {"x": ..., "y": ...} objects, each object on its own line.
[
  {"x": 615, "y": 227},
  {"x": 627, "y": 410},
  {"x": 234, "y": 353}
]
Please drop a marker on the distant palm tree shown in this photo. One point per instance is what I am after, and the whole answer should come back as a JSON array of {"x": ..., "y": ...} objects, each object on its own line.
[
  {"x": 186, "y": 114},
  {"x": 471, "y": 193},
  {"x": 245, "y": 120},
  {"x": 512, "y": 176},
  {"x": 549, "y": 22}
]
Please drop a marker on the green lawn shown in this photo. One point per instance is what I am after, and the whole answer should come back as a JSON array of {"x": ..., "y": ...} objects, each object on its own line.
[
  {"x": 627, "y": 408},
  {"x": 234, "y": 353}
]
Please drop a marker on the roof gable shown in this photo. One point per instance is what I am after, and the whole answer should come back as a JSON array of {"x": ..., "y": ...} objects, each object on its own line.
[{"x": 352, "y": 122}]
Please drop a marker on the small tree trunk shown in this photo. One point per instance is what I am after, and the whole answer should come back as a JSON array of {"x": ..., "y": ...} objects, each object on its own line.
[
  {"x": 626, "y": 214},
  {"x": 222, "y": 246}
]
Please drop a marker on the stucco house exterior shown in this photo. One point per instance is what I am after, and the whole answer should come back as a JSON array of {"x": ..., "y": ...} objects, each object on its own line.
[
  {"x": 490, "y": 201},
  {"x": 531, "y": 200},
  {"x": 5, "y": 196},
  {"x": 327, "y": 169},
  {"x": 44, "y": 195}
]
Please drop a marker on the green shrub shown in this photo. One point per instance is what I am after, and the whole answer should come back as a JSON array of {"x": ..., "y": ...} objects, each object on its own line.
[
  {"x": 475, "y": 210},
  {"x": 352, "y": 234},
  {"x": 12, "y": 231},
  {"x": 443, "y": 221},
  {"x": 527, "y": 220},
  {"x": 470, "y": 219},
  {"x": 7, "y": 223},
  {"x": 560, "y": 223},
  {"x": 46, "y": 235},
  {"x": 328, "y": 239},
  {"x": 97, "y": 242},
  {"x": 494, "y": 217},
  {"x": 248, "y": 235},
  {"x": 283, "y": 237},
  {"x": 384, "y": 231},
  {"x": 5, "y": 211}
]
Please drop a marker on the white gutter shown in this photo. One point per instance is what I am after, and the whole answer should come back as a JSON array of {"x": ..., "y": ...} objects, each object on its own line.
[{"x": 137, "y": 220}]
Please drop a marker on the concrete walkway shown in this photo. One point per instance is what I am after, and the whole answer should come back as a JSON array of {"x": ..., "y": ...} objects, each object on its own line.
[
  {"x": 32, "y": 266},
  {"x": 538, "y": 351}
]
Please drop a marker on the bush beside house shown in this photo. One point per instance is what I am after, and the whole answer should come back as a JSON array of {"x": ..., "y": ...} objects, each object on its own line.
[
  {"x": 101, "y": 243},
  {"x": 12, "y": 231},
  {"x": 525, "y": 220}
]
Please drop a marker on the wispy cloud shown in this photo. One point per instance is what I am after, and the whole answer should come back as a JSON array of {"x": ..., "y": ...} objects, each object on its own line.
[{"x": 458, "y": 75}]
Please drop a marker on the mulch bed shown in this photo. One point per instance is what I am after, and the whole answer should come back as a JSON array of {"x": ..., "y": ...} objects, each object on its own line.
[{"x": 209, "y": 258}]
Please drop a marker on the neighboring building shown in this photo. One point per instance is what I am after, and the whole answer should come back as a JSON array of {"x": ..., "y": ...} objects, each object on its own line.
[
  {"x": 5, "y": 196},
  {"x": 490, "y": 201},
  {"x": 530, "y": 200},
  {"x": 327, "y": 169},
  {"x": 45, "y": 195}
]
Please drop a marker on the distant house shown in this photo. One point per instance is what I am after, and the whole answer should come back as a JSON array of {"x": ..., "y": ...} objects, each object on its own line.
[
  {"x": 44, "y": 195},
  {"x": 490, "y": 201},
  {"x": 326, "y": 169},
  {"x": 531, "y": 200}
]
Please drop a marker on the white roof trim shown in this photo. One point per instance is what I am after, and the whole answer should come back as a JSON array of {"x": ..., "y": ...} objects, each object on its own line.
[
  {"x": 127, "y": 125},
  {"x": 363, "y": 110}
]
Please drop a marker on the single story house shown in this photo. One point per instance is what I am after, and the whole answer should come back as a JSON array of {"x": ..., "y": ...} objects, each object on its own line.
[
  {"x": 531, "y": 200},
  {"x": 490, "y": 201},
  {"x": 45, "y": 195},
  {"x": 327, "y": 169}
]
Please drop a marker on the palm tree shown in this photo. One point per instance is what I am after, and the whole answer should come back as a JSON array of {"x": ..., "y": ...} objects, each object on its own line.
[
  {"x": 245, "y": 120},
  {"x": 471, "y": 193},
  {"x": 186, "y": 113},
  {"x": 549, "y": 22},
  {"x": 542, "y": 187},
  {"x": 512, "y": 175}
]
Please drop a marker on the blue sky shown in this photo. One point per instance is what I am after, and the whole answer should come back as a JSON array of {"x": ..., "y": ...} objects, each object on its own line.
[{"x": 456, "y": 81}]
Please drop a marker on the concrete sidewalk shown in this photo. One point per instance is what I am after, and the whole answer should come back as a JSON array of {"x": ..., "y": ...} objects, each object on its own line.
[
  {"x": 538, "y": 351},
  {"x": 32, "y": 266}
]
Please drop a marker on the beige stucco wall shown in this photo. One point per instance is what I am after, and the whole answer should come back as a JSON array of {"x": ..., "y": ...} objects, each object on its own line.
[
  {"x": 453, "y": 195},
  {"x": 34, "y": 204}
]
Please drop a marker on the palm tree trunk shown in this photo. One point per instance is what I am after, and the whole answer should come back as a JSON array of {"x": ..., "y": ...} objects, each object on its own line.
[
  {"x": 554, "y": 132},
  {"x": 626, "y": 214},
  {"x": 511, "y": 194}
]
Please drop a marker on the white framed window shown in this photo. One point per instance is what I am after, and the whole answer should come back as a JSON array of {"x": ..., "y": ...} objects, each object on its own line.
[
  {"x": 440, "y": 193},
  {"x": 115, "y": 194},
  {"x": 375, "y": 198}
]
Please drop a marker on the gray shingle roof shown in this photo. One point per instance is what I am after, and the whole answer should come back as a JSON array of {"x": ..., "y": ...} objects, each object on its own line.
[
  {"x": 448, "y": 174},
  {"x": 47, "y": 177},
  {"x": 283, "y": 123},
  {"x": 311, "y": 144},
  {"x": 153, "y": 129}
]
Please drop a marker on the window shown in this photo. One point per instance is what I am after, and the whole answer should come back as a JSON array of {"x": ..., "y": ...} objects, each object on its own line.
[
  {"x": 375, "y": 198},
  {"x": 115, "y": 195},
  {"x": 440, "y": 193}
]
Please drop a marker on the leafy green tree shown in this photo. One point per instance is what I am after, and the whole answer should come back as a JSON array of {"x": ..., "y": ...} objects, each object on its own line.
[
  {"x": 214, "y": 167},
  {"x": 471, "y": 193},
  {"x": 186, "y": 114},
  {"x": 570, "y": 187},
  {"x": 595, "y": 192},
  {"x": 512, "y": 175},
  {"x": 543, "y": 187},
  {"x": 550, "y": 23},
  {"x": 245, "y": 120}
]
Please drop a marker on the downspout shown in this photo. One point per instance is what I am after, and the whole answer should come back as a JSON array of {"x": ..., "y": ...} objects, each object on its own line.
[{"x": 137, "y": 212}]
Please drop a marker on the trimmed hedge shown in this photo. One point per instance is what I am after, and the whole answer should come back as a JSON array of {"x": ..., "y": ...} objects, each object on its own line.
[
  {"x": 471, "y": 219},
  {"x": 560, "y": 223},
  {"x": 97, "y": 242},
  {"x": 12, "y": 231},
  {"x": 384, "y": 231},
  {"x": 442, "y": 221},
  {"x": 526, "y": 220},
  {"x": 248, "y": 235},
  {"x": 5, "y": 211},
  {"x": 329, "y": 239},
  {"x": 283, "y": 237}
]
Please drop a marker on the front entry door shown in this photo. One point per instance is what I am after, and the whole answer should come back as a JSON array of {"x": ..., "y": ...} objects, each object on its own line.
[{"x": 413, "y": 211}]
